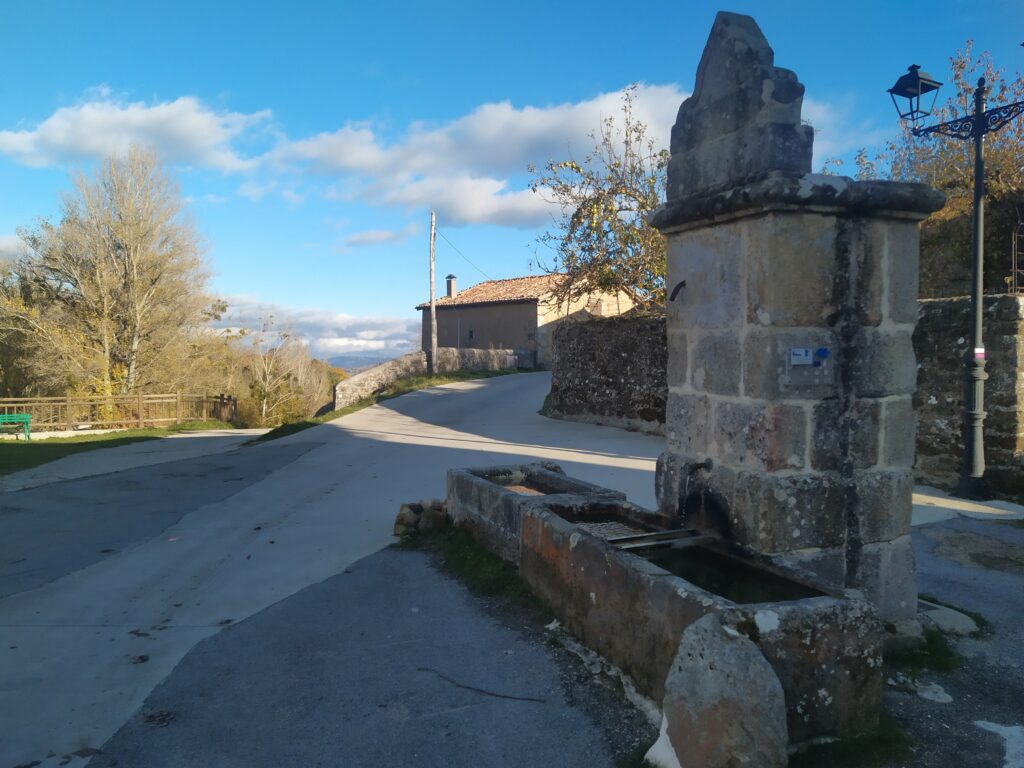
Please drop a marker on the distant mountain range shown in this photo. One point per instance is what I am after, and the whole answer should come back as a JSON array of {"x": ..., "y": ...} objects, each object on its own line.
[{"x": 355, "y": 361}]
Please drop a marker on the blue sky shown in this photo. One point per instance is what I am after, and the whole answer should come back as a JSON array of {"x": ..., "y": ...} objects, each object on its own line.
[{"x": 312, "y": 139}]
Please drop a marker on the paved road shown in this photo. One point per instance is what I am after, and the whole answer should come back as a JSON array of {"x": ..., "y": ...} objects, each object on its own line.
[
  {"x": 153, "y": 559},
  {"x": 389, "y": 664}
]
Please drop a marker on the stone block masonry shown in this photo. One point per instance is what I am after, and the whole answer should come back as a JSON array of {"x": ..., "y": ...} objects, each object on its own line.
[{"x": 790, "y": 337}]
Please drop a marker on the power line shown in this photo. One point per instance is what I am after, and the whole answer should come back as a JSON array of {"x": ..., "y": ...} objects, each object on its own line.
[{"x": 474, "y": 266}]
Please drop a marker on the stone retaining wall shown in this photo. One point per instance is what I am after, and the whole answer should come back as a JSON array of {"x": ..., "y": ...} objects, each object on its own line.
[
  {"x": 611, "y": 371},
  {"x": 941, "y": 341},
  {"x": 380, "y": 377}
]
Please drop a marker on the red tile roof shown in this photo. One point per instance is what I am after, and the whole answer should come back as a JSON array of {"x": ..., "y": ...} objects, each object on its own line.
[{"x": 507, "y": 291}]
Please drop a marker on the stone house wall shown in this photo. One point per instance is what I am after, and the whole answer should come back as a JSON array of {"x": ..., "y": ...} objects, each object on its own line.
[{"x": 941, "y": 341}]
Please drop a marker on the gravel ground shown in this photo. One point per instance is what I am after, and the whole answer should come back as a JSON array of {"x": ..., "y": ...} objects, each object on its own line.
[
  {"x": 979, "y": 566},
  {"x": 390, "y": 663}
]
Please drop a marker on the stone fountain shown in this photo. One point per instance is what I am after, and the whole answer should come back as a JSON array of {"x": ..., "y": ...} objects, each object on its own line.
[{"x": 753, "y": 603}]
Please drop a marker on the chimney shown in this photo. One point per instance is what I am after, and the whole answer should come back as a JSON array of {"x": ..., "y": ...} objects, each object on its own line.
[{"x": 452, "y": 290}]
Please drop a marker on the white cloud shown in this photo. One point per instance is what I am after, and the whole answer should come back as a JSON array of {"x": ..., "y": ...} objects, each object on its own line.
[
  {"x": 837, "y": 129},
  {"x": 11, "y": 247},
  {"x": 326, "y": 333},
  {"x": 471, "y": 169},
  {"x": 183, "y": 131},
  {"x": 463, "y": 168},
  {"x": 255, "y": 191},
  {"x": 377, "y": 236}
]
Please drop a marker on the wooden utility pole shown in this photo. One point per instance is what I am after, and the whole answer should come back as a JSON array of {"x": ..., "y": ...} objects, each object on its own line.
[{"x": 433, "y": 300}]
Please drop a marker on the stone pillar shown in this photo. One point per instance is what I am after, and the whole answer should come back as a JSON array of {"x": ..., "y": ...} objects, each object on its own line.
[{"x": 790, "y": 363}]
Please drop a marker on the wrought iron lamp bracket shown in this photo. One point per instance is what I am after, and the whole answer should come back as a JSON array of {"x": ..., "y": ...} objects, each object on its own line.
[{"x": 967, "y": 127}]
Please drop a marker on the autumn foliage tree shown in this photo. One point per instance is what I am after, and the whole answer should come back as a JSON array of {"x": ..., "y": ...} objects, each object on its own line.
[
  {"x": 102, "y": 297},
  {"x": 948, "y": 164},
  {"x": 601, "y": 239}
]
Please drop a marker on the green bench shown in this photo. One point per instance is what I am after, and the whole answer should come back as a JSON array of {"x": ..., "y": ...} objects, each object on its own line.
[{"x": 18, "y": 421}]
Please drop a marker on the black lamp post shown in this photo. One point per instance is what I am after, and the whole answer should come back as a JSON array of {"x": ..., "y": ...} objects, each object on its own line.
[{"x": 912, "y": 87}]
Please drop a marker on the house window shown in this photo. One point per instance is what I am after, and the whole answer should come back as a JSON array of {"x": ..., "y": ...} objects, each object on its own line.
[
  {"x": 531, "y": 336},
  {"x": 470, "y": 334}
]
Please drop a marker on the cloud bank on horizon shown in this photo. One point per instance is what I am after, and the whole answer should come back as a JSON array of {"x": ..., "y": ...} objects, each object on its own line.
[{"x": 327, "y": 334}]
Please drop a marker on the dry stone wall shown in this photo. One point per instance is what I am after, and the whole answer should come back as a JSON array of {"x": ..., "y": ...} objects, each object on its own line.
[
  {"x": 941, "y": 340},
  {"x": 380, "y": 377},
  {"x": 611, "y": 371}
]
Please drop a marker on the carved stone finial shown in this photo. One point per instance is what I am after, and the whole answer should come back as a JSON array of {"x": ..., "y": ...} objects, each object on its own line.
[{"x": 743, "y": 120}]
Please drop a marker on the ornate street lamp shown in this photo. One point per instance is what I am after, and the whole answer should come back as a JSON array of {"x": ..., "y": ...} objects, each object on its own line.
[{"x": 912, "y": 87}]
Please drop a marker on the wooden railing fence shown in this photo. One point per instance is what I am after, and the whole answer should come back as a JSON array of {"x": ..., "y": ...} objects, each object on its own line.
[{"x": 120, "y": 410}]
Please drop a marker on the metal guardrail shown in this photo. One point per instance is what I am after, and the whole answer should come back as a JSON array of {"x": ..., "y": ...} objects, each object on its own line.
[{"x": 120, "y": 410}]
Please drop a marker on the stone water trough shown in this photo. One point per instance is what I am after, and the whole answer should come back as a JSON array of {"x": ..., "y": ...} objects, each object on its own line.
[{"x": 629, "y": 582}]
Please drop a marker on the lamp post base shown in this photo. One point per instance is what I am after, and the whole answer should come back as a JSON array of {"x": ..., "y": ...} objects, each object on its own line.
[{"x": 974, "y": 488}]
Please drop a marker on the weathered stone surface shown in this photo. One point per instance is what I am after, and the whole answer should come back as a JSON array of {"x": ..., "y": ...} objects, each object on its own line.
[
  {"x": 784, "y": 191},
  {"x": 829, "y": 661},
  {"x": 611, "y": 370},
  {"x": 884, "y": 503},
  {"x": 434, "y": 519},
  {"x": 761, "y": 436},
  {"x": 743, "y": 119},
  {"x": 843, "y": 435},
  {"x": 867, "y": 241},
  {"x": 716, "y": 364},
  {"x": 407, "y": 521},
  {"x": 903, "y": 252},
  {"x": 779, "y": 513},
  {"x": 766, "y": 373},
  {"x": 724, "y": 705},
  {"x": 710, "y": 262},
  {"x": 678, "y": 356},
  {"x": 828, "y": 564},
  {"x": 791, "y": 269},
  {"x": 688, "y": 423},
  {"x": 884, "y": 363},
  {"x": 897, "y": 434},
  {"x": 633, "y": 612},
  {"x": 885, "y": 573}
]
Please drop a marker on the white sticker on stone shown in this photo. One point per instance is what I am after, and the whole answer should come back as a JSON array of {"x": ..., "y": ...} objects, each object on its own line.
[{"x": 767, "y": 621}]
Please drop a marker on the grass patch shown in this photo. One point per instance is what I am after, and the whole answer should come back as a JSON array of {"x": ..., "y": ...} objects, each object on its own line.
[
  {"x": 400, "y": 387},
  {"x": 483, "y": 572},
  {"x": 881, "y": 747},
  {"x": 16, "y": 455},
  {"x": 985, "y": 628},
  {"x": 937, "y": 654}
]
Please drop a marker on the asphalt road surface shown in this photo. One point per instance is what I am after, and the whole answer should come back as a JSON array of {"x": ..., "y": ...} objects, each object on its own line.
[{"x": 108, "y": 581}]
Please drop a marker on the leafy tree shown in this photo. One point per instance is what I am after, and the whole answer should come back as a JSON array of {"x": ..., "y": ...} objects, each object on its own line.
[
  {"x": 102, "y": 296},
  {"x": 601, "y": 239},
  {"x": 948, "y": 165}
]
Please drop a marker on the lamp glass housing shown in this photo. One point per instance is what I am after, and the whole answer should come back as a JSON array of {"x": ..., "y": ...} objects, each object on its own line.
[{"x": 909, "y": 94}]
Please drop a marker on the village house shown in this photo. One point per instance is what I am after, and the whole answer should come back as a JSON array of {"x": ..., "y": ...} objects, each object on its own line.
[{"x": 518, "y": 313}]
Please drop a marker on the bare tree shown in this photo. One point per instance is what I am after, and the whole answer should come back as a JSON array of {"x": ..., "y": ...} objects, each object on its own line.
[
  {"x": 102, "y": 295},
  {"x": 601, "y": 239}
]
